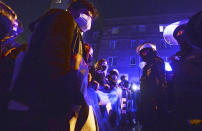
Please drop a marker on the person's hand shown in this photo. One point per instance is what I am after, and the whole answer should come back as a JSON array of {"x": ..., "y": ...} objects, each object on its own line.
[
  {"x": 107, "y": 86},
  {"x": 96, "y": 85}
]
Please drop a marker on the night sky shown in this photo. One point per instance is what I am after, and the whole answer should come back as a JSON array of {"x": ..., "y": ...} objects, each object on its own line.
[
  {"x": 123, "y": 8},
  {"x": 29, "y": 10}
]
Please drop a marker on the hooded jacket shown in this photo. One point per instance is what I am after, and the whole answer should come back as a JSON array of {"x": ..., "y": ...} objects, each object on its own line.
[{"x": 49, "y": 77}]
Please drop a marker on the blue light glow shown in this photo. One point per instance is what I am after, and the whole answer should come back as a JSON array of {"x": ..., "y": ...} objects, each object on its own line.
[
  {"x": 119, "y": 90},
  {"x": 168, "y": 67},
  {"x": 135, "y": 87},
  {"x": 119, "y": 80}
]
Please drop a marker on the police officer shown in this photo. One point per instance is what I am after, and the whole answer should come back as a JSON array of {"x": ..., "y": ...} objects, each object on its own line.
[
  {"x": 194, "y": 29},
  {"x": 187, "y": 80},
  {"x": 124, "y": 82},
  {"x": 99, "y": 73},
  {"x": 151, "y": 110},
  {"x": 113, "y": 78}
]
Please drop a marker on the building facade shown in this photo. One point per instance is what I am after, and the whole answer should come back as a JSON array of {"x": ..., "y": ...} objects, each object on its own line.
[{"x": 118, "y": 39}]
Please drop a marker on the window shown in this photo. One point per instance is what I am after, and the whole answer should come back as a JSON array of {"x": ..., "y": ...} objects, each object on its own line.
[
  {"x": 162, "y": 27},
  {"x": 132, "y": 60},
  {"x": 141, "y": 41},
  {"x": 142, "y": 28},
  {"x": 112, "y": 44},
  {"x": 112, "y": 61},
  {"x": 134, "y": 28},
  {"x": 95, "y": 35},
  {"x": 133, "y": 44},
  {"x": 115, "y": 30}
]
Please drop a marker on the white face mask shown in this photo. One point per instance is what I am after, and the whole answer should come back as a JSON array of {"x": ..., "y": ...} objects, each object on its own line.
[{"x": 84, "y": 22}]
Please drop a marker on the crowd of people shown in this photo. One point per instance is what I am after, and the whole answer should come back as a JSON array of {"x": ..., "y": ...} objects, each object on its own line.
[{"x": 51, "y": 83}]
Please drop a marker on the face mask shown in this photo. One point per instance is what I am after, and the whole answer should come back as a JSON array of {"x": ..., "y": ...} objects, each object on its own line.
[
  {"x": 103, "y": 67},
  {"x": 84, "y": 22},
  {"x": 114, "y": 77},
  {"x": 147, "y": 55}
]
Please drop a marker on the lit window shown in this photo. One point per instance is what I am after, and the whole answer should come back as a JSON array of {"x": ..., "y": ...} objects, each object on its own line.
[
  {"x": 115, "y": 30},
  {"x": 132, "y": 60},
  {"x": 112, "y": 44},
  {"x": 112, "y": 61},
  {"x": 162, "y": 27},
  {"x": 142, "y": 28}
]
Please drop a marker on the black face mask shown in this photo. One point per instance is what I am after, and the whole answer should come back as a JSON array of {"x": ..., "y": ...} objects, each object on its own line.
[
  {"x": 103, "y": 67},
  {"x": 114, "y": 78},
  {"x": 183, "y": 42},
  {"x": 149, "y": 56}
]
